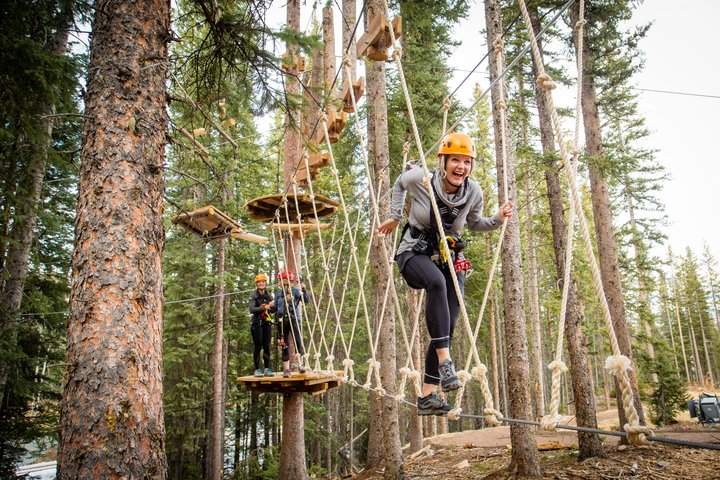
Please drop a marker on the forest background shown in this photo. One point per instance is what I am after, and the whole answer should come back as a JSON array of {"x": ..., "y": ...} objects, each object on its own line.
[{"x": 42, "y": 112}]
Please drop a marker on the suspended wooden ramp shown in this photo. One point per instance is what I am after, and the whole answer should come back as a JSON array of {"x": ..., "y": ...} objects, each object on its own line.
[
  {"x": 309, "y": 382},
  {"x": 212, "y": 224}
]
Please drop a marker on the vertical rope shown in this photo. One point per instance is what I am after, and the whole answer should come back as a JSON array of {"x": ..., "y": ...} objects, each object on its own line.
[{"x": 618, "y": 364}]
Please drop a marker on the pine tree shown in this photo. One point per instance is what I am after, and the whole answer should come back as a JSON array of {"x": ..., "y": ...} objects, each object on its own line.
[{"x": 112, "y": 408}]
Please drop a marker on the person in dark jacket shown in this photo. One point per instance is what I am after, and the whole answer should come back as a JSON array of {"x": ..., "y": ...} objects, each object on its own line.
[
  {"x": 288, "y": 308},
  {"x": 261, "y": 305}
]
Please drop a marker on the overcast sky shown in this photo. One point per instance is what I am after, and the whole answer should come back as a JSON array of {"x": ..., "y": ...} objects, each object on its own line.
[{"x": 680, "y": 56}]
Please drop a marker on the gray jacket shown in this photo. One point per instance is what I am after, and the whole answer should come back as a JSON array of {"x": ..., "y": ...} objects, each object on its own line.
[{"x": 469, "y": 194}]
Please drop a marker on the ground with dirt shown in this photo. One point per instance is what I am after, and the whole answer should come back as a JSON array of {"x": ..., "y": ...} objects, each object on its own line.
[{"x": 485, "y": 454}]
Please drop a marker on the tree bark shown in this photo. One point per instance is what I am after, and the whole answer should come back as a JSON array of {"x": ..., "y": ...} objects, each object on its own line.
[
  {"x": 415, "y": 428},
  {"x": 602, "y": 216},
  {"x": 583, "y": 393},
  {"x": 292, "y": 450},
  {"x": 348, "y": 40},
  {"x": 384, "y": 441},
  {"x": 524, "y": 459},
  {"x": 216, "y": 429},
  {"x": 112, "y": 406}
]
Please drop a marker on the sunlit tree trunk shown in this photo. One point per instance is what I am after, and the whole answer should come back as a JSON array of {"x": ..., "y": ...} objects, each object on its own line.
[{"x": 112, "y": 407}]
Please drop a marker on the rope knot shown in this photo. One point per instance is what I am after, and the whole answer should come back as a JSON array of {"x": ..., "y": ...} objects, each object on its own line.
[
  {"x": 405, "y": 371},
  {"x": 464, "y": 376},
  {"x": 557, "y": 366},
  {"x": 330, "y": 358},
  {"x": 406, "y": 148},
  {"x": 498, "y": 45},
  {"x": 501, "y": 105},
  {"x": 617, "y": 364},
  {"x": 324, "y": 117},
  {"x": 399, "y": 397},
  {"x": 454, "y": 414},
  {"x": 549, "y": 422},
  {"x": 348, "y": 362},
  {"x": 580, "y": 23},
  {"x": 346, "y": 60},
  {"x": 480, "y": 371},
  {"x": 637, "y": 434},
  {"x": 545, "y": 82},
  {"x": 426, "y": 180},
  {"x": 491, "y": 416},
  {"x": 447, "y": 103},
  {"x": 397, "y": 53}
]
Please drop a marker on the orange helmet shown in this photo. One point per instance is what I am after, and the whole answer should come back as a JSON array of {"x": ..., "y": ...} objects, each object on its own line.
[
  {"x": 260, "y": 277},
  {"x": 458, "y": 144},
  {"x": 286, "y": 274}
]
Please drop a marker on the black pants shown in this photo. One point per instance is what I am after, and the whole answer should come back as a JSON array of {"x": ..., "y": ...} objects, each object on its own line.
[
  {"x": 290, "y": 330},
  {"x": 441, "y": 305},
  {"x": 261, "y": 335}
]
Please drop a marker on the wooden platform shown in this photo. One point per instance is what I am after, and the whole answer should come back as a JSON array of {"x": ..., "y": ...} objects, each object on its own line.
[
  {"x": 212, "y": 224},
  {"x": 310, "y": 382},
  {"x": 264, "y": 208}
]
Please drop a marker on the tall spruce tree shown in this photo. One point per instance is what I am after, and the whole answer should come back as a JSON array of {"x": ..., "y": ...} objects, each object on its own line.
[{"x": 112, "y": 408}]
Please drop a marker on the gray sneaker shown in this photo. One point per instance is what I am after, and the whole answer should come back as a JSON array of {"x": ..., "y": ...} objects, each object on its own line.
[
  {"x": 448, "y": 378},
  {"x": 432, "y": 405}
]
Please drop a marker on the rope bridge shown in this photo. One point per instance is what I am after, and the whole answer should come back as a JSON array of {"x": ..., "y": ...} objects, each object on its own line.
[{"x": 327, "y": 334}]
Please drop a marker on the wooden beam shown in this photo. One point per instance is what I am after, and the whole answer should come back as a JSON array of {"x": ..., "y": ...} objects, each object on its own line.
[
  {"x": 250, "y": 237},
  {"x": 291, "y": 227},
  {"x": 371, "y": 36}
]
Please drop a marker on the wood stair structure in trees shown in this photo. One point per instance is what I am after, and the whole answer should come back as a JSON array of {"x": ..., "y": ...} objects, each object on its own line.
[
  {"x": 316, "y": 161},
  {"x": 358, "y": 91},
  {"x": 300, "y": 213},
  {"x": 212, "y": 224},
  {"x": 376, "y": 41}
]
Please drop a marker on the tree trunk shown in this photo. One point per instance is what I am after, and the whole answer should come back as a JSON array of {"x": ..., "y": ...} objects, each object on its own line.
[
  {"x": 688, "y": 378},
  {"x": 348, "y": 40},
  {"x": 583, "y": 393},
  {"x": 708, "y": 365},
  {"x": 415, "y": 428},
  {"x": 696, "y": 354},
  {"x": 384, "y": 442},
  {"x": 292, "y": 450},
  {"x": 536, "y": 353},
  {"x": 216, "y": 429},
  {"x": 493, "y": 337},
  {"x": 524, "y": 459},
  {"x": 21, "y": 230},
  {"x": 602, "y": 215},
  {"x": 112, "y": 407}
]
